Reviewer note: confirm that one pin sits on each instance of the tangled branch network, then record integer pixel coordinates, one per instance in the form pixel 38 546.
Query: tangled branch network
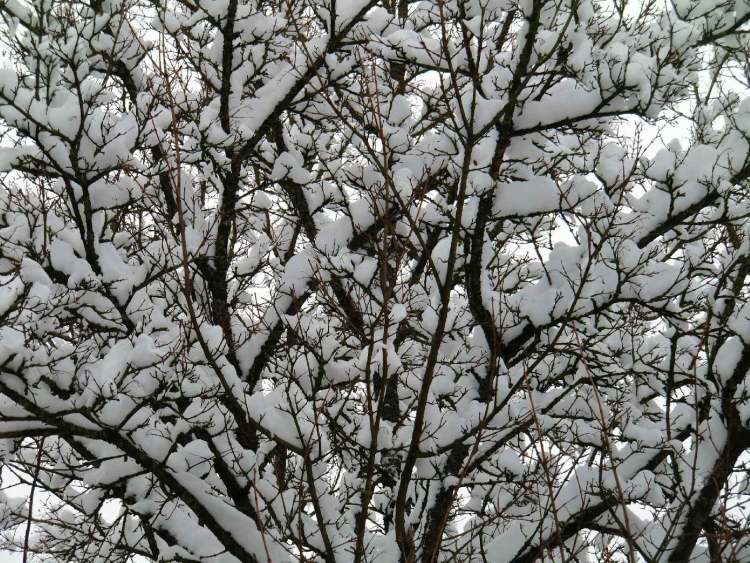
pixel 394 281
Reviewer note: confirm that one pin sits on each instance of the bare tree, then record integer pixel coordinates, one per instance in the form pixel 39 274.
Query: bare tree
pixel 388 281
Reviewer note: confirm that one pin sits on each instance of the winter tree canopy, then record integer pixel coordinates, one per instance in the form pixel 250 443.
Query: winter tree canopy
pixel 385 281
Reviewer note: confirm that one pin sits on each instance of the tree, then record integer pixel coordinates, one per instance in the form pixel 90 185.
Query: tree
pixel 386 281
